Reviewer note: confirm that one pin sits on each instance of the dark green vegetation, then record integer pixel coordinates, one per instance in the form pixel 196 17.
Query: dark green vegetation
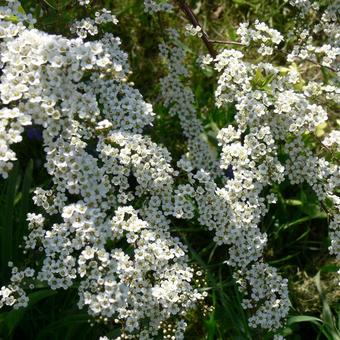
pixel 296 226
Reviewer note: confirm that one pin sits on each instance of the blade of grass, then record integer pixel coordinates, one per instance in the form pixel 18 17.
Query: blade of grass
pixel 12 319
pixel 66 322
pixel 7 219
pixel 24 202
pixel 329 328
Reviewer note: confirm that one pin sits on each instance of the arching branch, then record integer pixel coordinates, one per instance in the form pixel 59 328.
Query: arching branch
pixel 194 21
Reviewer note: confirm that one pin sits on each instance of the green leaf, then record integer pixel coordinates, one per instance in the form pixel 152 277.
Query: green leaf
pixel 11 319
pixel 303 318
pixel 24 202
pixel 7 200
pixel 210 325
pixel 329 268
pixel 301 220
pixel 68 321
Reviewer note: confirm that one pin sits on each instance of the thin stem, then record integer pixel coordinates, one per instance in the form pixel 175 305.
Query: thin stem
pixel 209 42
pixel 226 42
pixel 194 21
pixel 313 62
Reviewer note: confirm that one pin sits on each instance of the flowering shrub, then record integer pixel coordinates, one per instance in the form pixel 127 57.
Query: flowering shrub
pixel 113 219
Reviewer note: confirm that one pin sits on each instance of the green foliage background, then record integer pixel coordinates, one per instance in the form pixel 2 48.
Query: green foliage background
pixel 296 226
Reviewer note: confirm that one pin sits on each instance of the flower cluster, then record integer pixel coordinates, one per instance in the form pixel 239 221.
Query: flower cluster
pixel 12 120
pixel 235 210
pixel 89 26
pixel 302 166
pixel 332 139
pixel 13 294
pixel 320 43
pixel 100 165
pixel 269 293
pixel 84 2
pixel 304 5
pixel 261 35
pixel 273 108
pixel 334 227
pixel 152 6
pixel 192 30
pixel 181 102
